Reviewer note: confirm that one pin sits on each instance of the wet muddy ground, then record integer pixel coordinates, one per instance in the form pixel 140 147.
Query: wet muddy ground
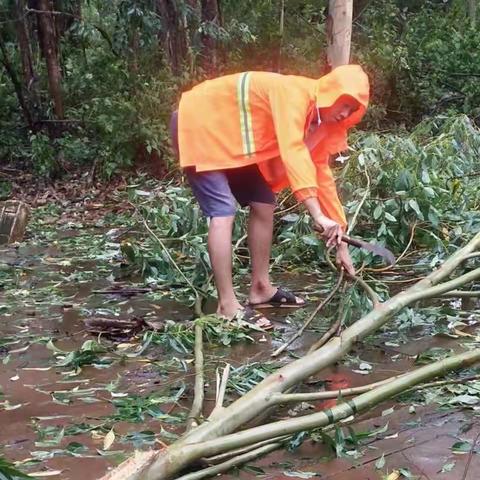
pixel 74 417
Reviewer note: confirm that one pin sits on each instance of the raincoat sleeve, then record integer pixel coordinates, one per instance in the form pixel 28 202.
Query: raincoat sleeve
pixel 289 119
pixel 328 196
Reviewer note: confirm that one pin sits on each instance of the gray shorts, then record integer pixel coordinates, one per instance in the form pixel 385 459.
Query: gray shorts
pixel 216 191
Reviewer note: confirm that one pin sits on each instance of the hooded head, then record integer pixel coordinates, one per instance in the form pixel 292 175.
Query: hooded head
pixel 344 89
pixel 342 95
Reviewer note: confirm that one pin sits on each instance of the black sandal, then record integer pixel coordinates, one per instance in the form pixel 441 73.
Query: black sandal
pixel 254 319
pixel 282 299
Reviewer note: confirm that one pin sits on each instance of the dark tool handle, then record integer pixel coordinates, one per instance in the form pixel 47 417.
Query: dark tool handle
pixel 352 241
pixel 345 238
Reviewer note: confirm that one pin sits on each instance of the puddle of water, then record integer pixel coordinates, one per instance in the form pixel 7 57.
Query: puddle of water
pixel 53 294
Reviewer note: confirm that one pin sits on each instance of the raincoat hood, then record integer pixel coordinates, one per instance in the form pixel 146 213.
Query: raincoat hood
pixel 344 80
pixel 331 138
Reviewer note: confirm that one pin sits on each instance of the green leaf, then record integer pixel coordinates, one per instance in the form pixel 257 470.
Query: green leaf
pixel 380 463
pixel 448 467
pixel 461 448
pixel 9 472
pixel 414 205
pixel 310 240
pixel 406 473
pixel 377 213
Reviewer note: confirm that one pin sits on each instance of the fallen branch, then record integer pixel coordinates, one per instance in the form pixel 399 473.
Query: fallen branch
pixel 196 291
pixel 166 463
pixel 348 392
pixel 462 294
pixel 233 462
pixel 233 453
pixel 197 405
pixel 189 452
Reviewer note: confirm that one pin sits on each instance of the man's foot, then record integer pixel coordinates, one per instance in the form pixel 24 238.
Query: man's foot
pixel 280 297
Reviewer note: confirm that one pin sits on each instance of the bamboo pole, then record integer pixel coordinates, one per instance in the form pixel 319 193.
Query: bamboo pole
pixel 166 463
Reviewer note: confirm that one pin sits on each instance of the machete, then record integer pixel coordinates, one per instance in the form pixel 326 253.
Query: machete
pixel 374 248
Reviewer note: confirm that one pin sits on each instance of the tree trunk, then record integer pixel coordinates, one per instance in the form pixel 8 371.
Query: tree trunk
pixel 277 53
pixel 472 12
pixel 49 45
pixel 173 37
pixel 24 44
pixel 209 54
pixel 25 48
pixel 339 32
pixel 17 85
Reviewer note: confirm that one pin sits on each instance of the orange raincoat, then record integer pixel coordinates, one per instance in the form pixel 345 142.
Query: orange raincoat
pixel 262 118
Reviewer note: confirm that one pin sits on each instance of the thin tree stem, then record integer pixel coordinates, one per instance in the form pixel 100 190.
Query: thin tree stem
pixel 348 392
pixel 221 389
pixel 335 326
pixel 462 294
pixel 368 290
pixel 238 451
pixel 233 462
pixel 322 304
pixel 197 405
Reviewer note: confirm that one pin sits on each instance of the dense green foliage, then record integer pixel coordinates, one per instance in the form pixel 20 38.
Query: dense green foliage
pixel 121 77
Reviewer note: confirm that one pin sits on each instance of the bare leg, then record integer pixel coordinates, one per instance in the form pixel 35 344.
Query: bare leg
pixel 260 232
pixel 220 251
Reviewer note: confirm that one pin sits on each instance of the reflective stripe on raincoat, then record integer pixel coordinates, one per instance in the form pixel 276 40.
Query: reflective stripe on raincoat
pixel 262 118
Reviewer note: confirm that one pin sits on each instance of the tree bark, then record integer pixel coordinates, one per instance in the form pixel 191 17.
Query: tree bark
pixel 30 79
pixel 49 45
pixel 73 11
pixel 339 32
pixel 23 38
pixel 17 85
pixel 173 37
pixel 209 54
